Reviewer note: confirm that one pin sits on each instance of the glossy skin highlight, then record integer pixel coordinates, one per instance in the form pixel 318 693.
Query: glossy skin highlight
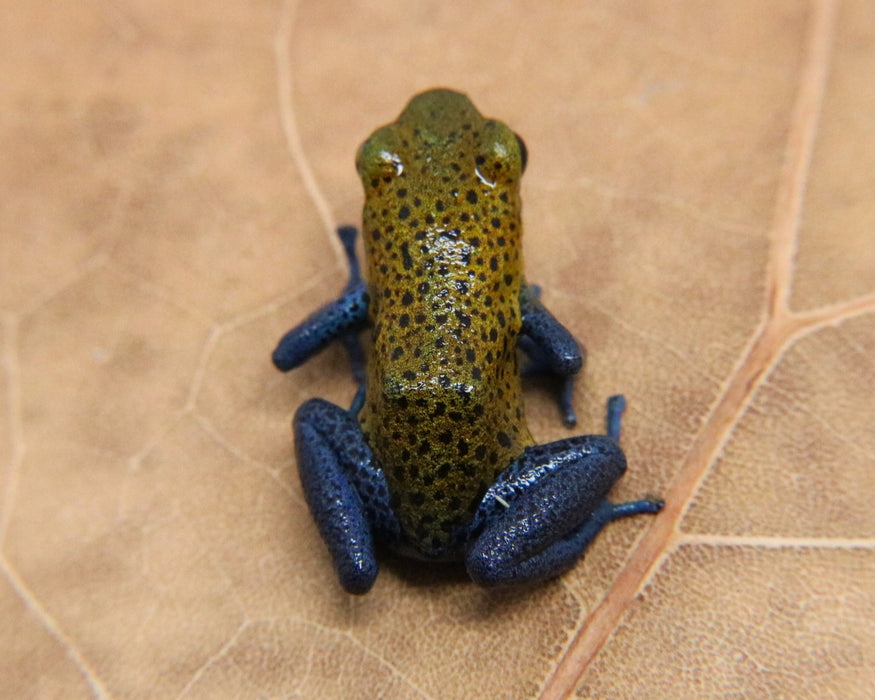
pixel 435 459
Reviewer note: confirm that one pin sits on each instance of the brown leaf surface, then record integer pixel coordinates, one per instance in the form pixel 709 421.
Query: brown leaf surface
pixel 700 211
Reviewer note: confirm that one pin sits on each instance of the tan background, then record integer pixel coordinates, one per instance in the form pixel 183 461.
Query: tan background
pixel 700 211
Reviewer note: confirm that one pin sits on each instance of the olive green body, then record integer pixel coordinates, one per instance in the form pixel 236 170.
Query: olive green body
pixel 442 232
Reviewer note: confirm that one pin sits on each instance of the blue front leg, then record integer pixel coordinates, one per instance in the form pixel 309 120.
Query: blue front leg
pixel 545 510
pixel 341 319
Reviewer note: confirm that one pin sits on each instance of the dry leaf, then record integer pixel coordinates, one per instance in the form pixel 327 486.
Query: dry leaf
pixel 699 210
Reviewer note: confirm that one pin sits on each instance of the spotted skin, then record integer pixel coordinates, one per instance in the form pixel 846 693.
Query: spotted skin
pixel 442 465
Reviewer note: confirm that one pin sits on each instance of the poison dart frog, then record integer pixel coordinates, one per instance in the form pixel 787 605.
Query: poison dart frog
pixel 434 459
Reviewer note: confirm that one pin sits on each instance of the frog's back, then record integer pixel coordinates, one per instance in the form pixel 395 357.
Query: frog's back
pixel 444 408
pixel 443 412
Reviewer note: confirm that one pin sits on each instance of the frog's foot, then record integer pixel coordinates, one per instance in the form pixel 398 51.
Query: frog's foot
pixel 346 492
pixel 544 512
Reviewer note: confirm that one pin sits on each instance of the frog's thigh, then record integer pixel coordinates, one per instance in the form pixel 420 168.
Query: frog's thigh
pixel 347 494
pixel 556 507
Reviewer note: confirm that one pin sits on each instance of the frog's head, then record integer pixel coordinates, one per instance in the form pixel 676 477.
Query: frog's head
pixel 441 134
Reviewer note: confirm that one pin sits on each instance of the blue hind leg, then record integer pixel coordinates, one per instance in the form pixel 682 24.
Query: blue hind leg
pixel 539 518
pixel 345 490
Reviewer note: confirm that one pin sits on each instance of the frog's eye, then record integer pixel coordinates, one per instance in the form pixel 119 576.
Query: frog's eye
pixel 378 160
pixel 524 152
pixel 502 156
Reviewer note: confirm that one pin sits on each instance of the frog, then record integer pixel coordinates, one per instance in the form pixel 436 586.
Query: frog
pixel 434 460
